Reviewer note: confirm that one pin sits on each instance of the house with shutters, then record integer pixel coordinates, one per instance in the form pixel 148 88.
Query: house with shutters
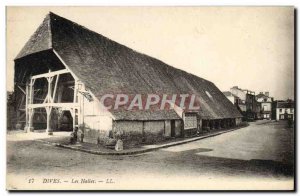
pixel 285 110
pixel 265 102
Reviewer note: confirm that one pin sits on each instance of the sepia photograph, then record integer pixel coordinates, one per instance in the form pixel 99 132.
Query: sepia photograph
pixel 150 98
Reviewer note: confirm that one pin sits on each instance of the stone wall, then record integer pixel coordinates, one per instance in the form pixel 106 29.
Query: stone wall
pixel 146 132
pixel 154 131
pixel 132 131
pixel 93 136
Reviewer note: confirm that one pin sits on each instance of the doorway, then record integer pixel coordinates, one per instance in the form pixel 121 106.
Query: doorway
pixel 65 121
pixel 172 128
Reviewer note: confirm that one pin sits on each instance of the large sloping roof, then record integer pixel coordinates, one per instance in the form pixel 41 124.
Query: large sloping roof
pixel 106 66
pixel 145 115
pixel 39 41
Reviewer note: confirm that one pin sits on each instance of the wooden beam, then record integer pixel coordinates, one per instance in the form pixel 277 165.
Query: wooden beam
pixel 63 62
pixel 21 102
pixel 31 113
pixel 26 107
pixel 49 93
pixel 48 110
pixel 57 105
pixel 55 88
pixel 75 92
pixel 51 74
pixel 21 89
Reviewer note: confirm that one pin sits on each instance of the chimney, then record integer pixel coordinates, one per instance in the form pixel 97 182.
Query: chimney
pixel 267 93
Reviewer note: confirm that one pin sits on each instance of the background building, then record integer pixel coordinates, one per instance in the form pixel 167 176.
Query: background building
pixel 265 102
pixel 246 102
pixel 285 110
pixel 235 100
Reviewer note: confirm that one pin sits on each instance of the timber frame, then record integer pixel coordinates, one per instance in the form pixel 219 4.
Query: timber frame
pixel 49 102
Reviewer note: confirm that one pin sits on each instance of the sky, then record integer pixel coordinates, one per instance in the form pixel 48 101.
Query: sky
pixel 249 47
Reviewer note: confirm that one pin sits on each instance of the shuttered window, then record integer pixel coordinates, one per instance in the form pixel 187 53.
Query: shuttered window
pixel 190 121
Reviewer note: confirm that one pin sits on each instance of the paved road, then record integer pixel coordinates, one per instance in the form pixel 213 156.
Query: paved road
pixel 263 150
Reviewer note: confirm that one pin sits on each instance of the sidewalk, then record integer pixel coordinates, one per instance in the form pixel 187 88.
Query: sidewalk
pixel 23 136
pixel 100 150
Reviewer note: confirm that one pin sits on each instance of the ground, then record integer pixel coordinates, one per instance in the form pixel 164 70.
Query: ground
pixel 258 156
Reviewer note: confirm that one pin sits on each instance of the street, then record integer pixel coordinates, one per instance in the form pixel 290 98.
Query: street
pixel 262 151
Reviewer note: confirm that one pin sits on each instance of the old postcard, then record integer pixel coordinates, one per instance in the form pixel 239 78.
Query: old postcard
pixel 150 98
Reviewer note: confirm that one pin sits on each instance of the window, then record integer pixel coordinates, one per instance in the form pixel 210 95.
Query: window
pixel 265 108
pixel 280 110
pixel 190 121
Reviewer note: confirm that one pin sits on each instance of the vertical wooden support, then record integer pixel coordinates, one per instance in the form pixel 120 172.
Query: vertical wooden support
pixel 80 102
pixel 49 93
pixel 30 118
pixel 29 100
pixel 74 101
pixel 26 107
pixel 50 101
pixel 200 125
pixel 49 108
pixel 48 129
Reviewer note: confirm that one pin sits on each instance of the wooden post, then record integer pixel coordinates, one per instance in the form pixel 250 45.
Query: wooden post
pixel 48 129
pixel 29 100
pixel 26 108
pixel 30 118
pixel 49 108
pixel 55 88
pixel 74 101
